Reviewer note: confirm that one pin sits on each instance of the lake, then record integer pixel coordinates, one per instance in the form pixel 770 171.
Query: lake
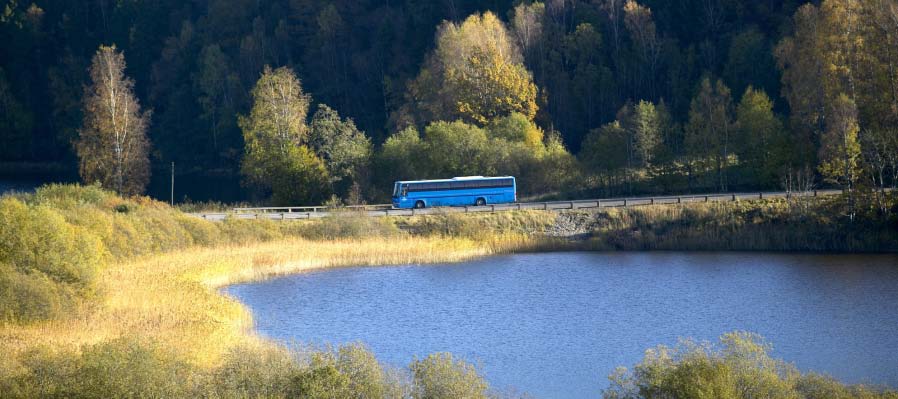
pixel 556 324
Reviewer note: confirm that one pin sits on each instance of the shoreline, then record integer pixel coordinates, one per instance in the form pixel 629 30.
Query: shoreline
pixel 175 299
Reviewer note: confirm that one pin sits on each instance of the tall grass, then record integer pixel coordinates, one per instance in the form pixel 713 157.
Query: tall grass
pixel 822 225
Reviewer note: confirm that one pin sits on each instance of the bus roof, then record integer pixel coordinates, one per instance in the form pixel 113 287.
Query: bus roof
pixel 456 179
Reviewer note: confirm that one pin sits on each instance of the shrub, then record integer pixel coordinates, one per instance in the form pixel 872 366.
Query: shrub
pixel 251 372
pixel 239 231
pixel 202 232
pixel 482 225
pixel 740 367
pixel 346 226
pixel 46 262
pixel 440 376
pixel 366 376
pixel 32 297
pixel 66 196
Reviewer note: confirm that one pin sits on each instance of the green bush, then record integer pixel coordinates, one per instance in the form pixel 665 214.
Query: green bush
pixel 55 241
pixel 32 297
pixel 440 376
pixel 253 373
pixel 46 262
pixel 67 196
pixel 120 368
pixel 240 231
pixel 739 367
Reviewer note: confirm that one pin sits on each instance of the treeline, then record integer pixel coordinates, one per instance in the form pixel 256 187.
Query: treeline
pixel 650 96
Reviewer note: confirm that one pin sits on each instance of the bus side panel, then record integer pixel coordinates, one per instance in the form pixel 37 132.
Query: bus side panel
pixel 459 197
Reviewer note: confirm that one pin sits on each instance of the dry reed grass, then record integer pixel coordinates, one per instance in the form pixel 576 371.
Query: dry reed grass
pixel 173 299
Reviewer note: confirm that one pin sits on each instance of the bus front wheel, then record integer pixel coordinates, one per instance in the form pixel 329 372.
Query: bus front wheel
pixel 419 205
pixel 480 202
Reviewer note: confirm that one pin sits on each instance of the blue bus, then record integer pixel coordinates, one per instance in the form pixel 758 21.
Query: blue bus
pixel 459 191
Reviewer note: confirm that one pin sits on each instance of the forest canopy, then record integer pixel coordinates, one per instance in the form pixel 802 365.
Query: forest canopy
pixel 618 96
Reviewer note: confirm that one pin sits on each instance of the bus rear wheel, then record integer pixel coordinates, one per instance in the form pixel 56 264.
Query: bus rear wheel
pixel 419 205
pixel 480 202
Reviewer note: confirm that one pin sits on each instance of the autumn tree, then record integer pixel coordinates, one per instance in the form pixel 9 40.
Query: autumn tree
pixel 275 133
pixel 839 148
pixel 112 146
pixel 710 129
pixel 516 128
pixel 345 150
pixel 527 27
pixel 476 73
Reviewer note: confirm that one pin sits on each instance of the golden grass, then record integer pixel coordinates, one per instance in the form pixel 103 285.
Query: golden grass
pixel 173 299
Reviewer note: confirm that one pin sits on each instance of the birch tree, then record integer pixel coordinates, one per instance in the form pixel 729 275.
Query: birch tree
pixel 840 150
pixel 112 146
pixel 275 133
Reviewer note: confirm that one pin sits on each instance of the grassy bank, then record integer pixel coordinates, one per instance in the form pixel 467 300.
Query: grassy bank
pixel 809 225
pixel 108 297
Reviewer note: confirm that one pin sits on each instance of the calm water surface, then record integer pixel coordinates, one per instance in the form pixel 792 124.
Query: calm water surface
pixel 555 325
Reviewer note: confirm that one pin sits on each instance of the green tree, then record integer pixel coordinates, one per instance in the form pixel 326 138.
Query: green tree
pixel 440 376
pixel 275 134
pixel 646 125
pixel 750 62
pixel 761 140
pixel 710 130
pixel 516 128
pixel 604 152
pixel 112 145
pixel 476 73
pixel 457 149
pixel 401 157
pixel 15 122
pixel 345 150
pixel 218 86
